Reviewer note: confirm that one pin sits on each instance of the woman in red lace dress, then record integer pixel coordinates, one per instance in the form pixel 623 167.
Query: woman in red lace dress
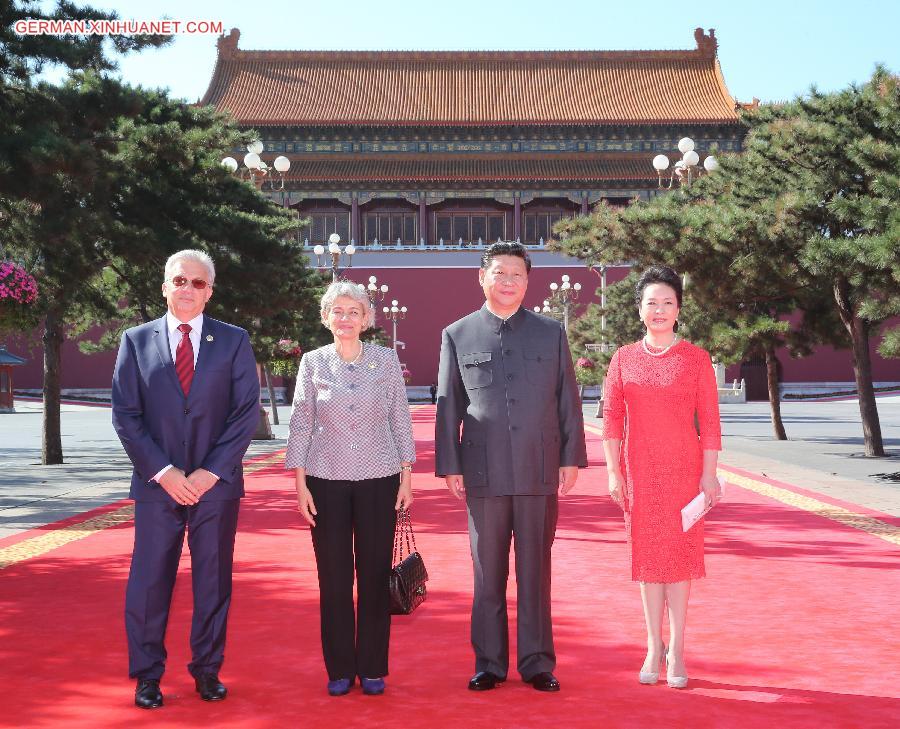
pixel 657 391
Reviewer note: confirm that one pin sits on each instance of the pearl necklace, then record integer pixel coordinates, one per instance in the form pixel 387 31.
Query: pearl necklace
pixel 660 353
pixel 356 359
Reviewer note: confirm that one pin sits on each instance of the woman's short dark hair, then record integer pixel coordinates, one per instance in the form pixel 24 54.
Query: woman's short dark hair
pixel 505 249
pixel 658 275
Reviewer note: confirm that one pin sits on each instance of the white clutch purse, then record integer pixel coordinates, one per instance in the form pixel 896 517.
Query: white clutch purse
pixel 698 507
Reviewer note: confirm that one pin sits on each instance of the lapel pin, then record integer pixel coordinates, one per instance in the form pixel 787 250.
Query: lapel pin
pixel 372 365
pixel 209 337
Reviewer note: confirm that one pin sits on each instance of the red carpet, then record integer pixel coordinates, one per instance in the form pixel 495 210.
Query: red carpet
pixel 794 627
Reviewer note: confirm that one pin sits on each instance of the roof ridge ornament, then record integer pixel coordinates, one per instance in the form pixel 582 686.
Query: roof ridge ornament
pixel 227 43
pixel 706 44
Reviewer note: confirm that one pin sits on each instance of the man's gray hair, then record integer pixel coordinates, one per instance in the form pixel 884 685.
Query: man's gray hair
pixel 351 291
pixel 191 254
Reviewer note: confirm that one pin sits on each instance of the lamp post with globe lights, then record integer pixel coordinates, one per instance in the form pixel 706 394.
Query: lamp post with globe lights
pixel 545 309
pixel 260 175
pixel 395 312
pixel 685 169
pixel 564 294
pixel 257 171
pixel 335 250
pixel 375 292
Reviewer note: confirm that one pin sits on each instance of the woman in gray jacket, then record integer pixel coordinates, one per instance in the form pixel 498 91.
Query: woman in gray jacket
pixel 352 449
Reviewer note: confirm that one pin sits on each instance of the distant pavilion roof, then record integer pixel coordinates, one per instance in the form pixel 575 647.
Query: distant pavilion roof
pixel 470 88
pixel 8 358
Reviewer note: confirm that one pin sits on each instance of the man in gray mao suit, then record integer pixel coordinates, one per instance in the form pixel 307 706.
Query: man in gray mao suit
pixel 506 375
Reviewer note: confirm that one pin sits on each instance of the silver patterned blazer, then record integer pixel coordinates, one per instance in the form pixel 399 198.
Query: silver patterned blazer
pixel 350 421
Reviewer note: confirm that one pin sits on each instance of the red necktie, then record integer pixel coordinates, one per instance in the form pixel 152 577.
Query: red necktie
pixel 184 358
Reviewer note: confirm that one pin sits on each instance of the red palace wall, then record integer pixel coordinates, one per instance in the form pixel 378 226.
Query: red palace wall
pixel 438 297
pixel 435 298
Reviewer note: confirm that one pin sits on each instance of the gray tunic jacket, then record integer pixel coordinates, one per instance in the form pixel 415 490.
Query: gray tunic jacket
pixel 511 385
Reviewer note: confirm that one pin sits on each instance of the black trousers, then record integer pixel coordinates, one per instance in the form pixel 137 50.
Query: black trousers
pixel 159 528
pixel 493 522
pixel 354 526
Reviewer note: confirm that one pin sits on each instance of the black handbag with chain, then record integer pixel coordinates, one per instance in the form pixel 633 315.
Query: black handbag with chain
pixel 408 576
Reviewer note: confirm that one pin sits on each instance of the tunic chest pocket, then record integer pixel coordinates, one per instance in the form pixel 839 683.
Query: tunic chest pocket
pixel 539 365
pixel 476 369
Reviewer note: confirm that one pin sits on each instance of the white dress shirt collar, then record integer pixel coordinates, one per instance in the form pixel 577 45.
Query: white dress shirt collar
pixel 196 325
pixel 172 324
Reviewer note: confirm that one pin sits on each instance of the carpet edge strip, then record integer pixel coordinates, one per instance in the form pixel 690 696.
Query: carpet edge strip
pixel 61 536
pixel 868 524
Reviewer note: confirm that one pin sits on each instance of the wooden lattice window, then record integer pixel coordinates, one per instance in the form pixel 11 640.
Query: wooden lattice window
pixel 322 225
pixel 539 226
pixel 388 227
pixel 470 227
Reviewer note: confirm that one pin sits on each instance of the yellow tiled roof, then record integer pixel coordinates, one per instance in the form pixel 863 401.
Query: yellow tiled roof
pixel 459 88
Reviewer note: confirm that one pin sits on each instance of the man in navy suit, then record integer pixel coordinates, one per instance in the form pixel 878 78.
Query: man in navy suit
pixel 185 406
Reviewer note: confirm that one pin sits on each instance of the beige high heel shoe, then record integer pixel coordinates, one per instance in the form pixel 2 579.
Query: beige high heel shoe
pixel 675 682
pixel 648 678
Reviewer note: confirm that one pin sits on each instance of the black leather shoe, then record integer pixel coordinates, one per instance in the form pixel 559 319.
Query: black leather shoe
pixel 147 694
pixel 210 688
pixel 484 681
pixel 544 681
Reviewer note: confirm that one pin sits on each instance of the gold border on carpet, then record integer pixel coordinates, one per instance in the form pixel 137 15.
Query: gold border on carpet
pixel 867 524
pixel 59 537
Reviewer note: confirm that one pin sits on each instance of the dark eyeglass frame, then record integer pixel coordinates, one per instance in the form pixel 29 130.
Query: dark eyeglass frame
pixel 180 281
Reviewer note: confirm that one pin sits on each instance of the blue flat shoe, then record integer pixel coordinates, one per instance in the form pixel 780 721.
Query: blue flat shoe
pixel 372 686
pixel 339 686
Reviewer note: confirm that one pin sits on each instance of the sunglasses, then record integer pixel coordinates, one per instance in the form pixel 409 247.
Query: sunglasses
pixel 197 283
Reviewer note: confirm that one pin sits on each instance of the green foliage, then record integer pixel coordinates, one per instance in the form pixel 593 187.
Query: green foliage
pixel 890 345
pixel 51 183
pixel 100 182
pixel 772 232
pixel 622 326
pixel 838 162
pixel 24 56
pixel 159 187
pixel 806 220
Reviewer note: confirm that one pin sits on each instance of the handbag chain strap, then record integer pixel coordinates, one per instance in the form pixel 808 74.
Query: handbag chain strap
pixel 403 533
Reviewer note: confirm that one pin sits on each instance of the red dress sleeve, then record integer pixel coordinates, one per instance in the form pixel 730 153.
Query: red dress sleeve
pixel 614 401
pixel 707 404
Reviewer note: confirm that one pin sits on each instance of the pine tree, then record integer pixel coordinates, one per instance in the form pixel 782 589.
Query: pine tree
pixel 43 153
pixel 837 158
pixel 805 220
pixel 100 182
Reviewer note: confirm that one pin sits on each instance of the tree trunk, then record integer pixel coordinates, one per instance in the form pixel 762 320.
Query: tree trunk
pixel 862 370
pixel 51 436
pixel 858 330
pixel 272 401
pixel 774 392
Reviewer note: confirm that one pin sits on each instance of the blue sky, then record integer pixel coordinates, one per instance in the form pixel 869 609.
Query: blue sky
pixel 772 50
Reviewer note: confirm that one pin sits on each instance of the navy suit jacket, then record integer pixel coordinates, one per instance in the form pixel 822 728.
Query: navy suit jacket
pixel 210 428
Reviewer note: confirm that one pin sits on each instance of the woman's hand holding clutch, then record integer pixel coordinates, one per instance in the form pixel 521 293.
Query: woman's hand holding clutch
pixel 711 489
